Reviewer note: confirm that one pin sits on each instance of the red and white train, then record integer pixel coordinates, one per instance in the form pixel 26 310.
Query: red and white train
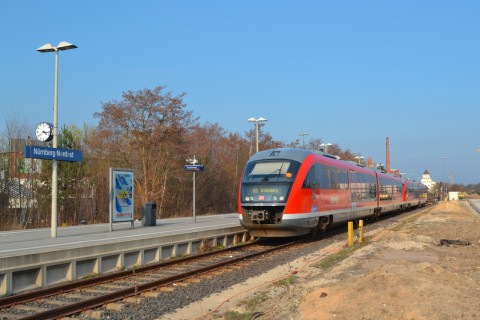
pixel 290 192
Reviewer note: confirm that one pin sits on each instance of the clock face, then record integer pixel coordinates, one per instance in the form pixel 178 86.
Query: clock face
pixel 44 131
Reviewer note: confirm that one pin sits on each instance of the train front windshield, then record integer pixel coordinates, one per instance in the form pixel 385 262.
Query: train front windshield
pixel 268 181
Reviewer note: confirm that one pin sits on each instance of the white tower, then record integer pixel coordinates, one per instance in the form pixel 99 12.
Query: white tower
pixel 427 180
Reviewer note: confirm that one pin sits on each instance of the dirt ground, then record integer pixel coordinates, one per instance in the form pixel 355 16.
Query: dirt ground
pixel 402 272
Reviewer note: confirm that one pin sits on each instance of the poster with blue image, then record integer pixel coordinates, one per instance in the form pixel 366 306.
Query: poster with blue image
pixel 122 190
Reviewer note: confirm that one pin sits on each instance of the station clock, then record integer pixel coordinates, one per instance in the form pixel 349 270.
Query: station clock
pixel 44 131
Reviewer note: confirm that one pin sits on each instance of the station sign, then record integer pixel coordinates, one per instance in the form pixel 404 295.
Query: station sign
pixel 193 167
pixel 47 153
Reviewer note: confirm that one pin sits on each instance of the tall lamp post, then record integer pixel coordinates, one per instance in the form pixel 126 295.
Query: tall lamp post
pixel 257 120
pixel 303 134
pixel 49 48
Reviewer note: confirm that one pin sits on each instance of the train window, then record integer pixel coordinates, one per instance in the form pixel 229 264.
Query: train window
pixel 332 176
pixel 270 168
pixel 399 186
pixel 360 186
pixel 271 171
pixel 326 177
pixel 389 188
pixel 324 180
pixel 342 178
pixel 309 181
pixel 319 176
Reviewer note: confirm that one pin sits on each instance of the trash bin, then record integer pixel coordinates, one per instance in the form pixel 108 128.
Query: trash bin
pixel 149 214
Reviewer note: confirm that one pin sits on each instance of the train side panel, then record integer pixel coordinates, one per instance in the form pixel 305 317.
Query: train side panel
pixel 290 192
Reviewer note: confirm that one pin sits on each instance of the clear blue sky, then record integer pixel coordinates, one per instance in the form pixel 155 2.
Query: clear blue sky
pixel 349 72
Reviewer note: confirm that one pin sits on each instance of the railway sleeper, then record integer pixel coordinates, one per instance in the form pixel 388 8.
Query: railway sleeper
pixel 115 306
pixel 54 302
pixel 95 314
pixel 29 308
pixel 5 316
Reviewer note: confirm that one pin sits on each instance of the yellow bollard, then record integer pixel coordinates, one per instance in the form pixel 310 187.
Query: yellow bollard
pixel 350 233
pixel 360 231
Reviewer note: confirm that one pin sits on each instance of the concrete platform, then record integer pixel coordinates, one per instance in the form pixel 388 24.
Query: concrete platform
pixel 32 259
pixel 475 203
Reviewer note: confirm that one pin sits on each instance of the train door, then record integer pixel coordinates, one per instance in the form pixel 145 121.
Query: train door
pixel 353 193
pixel 405 191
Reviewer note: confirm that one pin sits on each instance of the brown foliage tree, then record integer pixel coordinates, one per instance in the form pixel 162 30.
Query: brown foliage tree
pixel 223 155
pixel 145 132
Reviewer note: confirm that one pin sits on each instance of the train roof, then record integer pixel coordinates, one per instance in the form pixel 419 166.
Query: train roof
pixel 300 155
pixel 283 153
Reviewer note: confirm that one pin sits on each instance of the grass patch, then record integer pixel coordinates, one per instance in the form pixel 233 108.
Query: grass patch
pixel 249 305
pixel 256 300
pixel 90 276
pixel 235 315
pixel 407 222
pixel 339 256
pixel 209 247
pixel 286 281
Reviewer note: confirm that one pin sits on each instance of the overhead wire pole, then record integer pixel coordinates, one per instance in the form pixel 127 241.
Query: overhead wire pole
pixel 443 176
pixel 303 134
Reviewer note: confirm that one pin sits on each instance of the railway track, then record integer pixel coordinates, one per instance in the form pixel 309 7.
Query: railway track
pixel 73 298
pixel 160 281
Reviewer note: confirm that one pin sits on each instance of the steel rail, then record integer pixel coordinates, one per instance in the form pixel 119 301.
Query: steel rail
pixel 77 307
pixel 47 292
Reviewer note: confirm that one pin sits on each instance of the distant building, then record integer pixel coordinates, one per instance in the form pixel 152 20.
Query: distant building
pixel 427 180
pixel 453 195
pixel 16 173
pixel 370 163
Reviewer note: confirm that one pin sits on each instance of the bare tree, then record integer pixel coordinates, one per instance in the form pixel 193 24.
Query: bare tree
pixel 16 185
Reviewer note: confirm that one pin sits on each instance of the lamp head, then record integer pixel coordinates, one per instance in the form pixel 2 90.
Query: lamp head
pixel 60 47
pixel 66 46
pixel 256 120
pixel 46 48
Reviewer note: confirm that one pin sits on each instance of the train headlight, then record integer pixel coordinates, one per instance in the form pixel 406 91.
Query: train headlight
pixel 282 198
pixel 247 198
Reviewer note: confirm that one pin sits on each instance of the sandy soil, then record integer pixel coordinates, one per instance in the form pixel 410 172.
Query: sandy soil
pixel 402 272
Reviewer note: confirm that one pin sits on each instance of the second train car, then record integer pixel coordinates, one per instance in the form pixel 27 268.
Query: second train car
pixel 291 192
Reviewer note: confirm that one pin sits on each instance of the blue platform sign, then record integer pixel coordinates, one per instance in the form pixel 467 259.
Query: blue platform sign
pixel 193 167
pixel 47 153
